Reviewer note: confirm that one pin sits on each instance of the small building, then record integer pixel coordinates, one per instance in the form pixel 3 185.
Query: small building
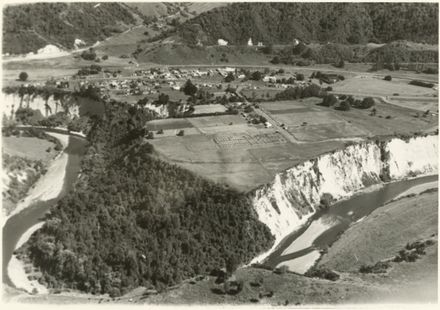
pixel 222 42
pixel 329 78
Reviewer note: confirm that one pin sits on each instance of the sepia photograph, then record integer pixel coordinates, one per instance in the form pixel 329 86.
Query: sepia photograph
pixel 256 154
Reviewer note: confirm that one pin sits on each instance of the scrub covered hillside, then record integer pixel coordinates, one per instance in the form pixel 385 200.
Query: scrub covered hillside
pixel 281 23
pixel 135 220
pixel 29 27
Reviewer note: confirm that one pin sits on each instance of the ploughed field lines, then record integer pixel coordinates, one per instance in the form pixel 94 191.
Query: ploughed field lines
pixel 246 140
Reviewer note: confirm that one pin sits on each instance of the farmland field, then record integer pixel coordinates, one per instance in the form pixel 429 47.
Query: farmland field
pixel 241 155
pixel 379 87
pixel 166 124
pixel 307 121
pixel 28 147
pixel 209 108
pixel 226 148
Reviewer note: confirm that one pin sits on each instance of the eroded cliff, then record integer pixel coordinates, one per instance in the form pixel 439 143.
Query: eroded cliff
pixel 296 194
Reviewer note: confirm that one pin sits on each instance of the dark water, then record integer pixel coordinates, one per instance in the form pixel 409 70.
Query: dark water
pixel 21 222
pixel 341 216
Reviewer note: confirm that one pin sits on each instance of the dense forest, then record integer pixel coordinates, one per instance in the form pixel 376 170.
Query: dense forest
pixel 136 220
pixel 281 23
pixel 29 27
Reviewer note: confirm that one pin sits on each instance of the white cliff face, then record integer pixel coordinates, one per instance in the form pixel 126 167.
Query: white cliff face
pixel 416 157
pixel 11 102
pixel 161 110
pixel 294 195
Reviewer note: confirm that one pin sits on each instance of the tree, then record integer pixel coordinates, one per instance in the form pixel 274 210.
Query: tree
pixel 163 99
pixel 89 54
pixel 275 60
pixel 300 77
pixel 189 88
pixel 256 76
pixel 344 106
pixel 367 103
pixel 387 78
pixel 229 78
pixel 268 49
pixel 340 63
pixel 231 264
pixel 23 76
pixel 329 100
pixel 142 102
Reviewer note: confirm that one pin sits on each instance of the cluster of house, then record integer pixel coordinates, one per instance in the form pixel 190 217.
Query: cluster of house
pixel 173 74
pixel 64 83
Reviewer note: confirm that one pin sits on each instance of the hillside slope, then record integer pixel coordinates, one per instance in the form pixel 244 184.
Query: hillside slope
pixel 318 22
pixel 29 27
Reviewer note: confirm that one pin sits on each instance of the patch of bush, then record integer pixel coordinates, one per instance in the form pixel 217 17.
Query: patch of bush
pixel 89 54
pixel 366 103
pixel 344 106
pixel 388 78
pixel 23 76
pixel 421 83
pixel 329 100
pixel 379 267
pixel 412 251
pixel 292 93
pixel 323 273
pixel 430 71
pixel 281 270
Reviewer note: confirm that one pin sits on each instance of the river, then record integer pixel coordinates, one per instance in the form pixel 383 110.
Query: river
pixel 325 227
pixel 18 224
pixel 320 231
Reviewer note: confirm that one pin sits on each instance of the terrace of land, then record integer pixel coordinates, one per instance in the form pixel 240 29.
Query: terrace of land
pixel 227 148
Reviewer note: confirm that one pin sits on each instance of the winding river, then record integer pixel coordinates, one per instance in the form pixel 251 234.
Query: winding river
pixel 325 226
pixel 18 224
pixel 319 232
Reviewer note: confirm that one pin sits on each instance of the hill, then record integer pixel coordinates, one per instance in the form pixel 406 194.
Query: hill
pixel 29 27
pixel 281 23
pixel 404 52
pixel 181 54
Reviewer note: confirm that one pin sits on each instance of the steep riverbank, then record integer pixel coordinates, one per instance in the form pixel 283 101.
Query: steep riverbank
pixel 17 268
pixel 19 227
pixel 298 193
pixel 49 185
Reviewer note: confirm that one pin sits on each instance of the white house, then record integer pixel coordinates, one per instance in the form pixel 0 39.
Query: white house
pixel 250 42
pixel 271 79
pixel 222 42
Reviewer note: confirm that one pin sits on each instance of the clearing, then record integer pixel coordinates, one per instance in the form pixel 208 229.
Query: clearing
pixel 28 147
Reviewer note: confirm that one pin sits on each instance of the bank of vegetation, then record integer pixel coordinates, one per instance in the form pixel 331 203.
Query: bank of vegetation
pixel 280 23
pixel 135 220
pixel 29 27
pixel 21 173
